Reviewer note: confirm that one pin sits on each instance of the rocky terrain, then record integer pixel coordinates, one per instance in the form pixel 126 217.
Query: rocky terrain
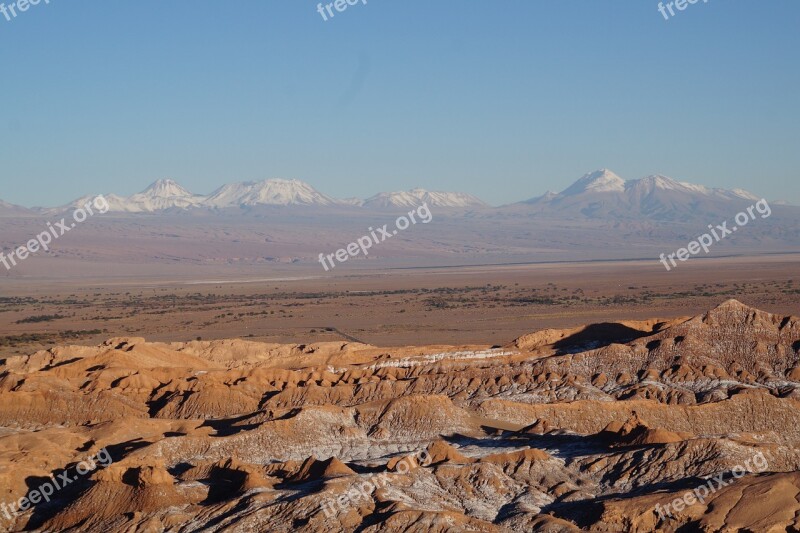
pixel 597 428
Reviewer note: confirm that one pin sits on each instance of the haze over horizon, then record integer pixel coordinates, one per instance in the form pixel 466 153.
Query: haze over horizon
pixel 112 97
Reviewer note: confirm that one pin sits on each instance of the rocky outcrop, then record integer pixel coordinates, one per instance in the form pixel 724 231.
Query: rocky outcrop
pixel 559 430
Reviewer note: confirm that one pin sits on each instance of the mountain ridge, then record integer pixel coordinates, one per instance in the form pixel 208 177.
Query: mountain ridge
pixel 604 195
pixel 165 194
pixel 595 194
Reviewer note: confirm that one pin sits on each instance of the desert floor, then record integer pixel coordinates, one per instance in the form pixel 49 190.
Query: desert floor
pixel 484 305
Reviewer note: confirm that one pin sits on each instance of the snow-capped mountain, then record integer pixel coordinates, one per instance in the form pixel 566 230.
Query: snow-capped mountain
pixel 116 204
pixel 657 182
pixel 417 197
pixel 598 181
pixel 167 194
pixel 599 194
pixel 159 196
pixel 267 192
pixel 603 194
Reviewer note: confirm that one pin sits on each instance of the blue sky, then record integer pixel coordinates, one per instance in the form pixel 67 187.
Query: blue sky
pixel 502 99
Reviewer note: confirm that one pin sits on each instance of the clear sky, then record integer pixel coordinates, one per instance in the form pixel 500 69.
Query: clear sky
pixel 503 99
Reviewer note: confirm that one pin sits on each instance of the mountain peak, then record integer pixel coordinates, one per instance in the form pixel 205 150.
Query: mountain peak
pixel 276 191
pixel 603 194
pixel 420 196
pixel 166 188
pixel 602 180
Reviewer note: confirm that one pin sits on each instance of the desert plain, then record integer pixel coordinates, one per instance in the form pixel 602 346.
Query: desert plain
pixel 486 304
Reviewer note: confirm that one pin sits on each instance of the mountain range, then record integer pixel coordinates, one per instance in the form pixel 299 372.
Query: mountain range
pixel 166 194
pixel 599 194
pixel 245 226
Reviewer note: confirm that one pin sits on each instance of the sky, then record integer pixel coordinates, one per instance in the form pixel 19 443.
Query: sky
pixel 503 99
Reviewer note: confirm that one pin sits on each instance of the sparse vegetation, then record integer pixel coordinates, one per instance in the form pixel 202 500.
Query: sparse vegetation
pixel 39 318
pixel 24 339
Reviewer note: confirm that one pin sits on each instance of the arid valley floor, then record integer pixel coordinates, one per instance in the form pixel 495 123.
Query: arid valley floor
pixel 396 307
pixel 550 397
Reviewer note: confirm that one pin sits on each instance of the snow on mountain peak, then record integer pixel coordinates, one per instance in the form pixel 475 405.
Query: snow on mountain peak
pixel 602 180
pixel 661 181
pixel 167 194
pixel 267 192
pixel 602 192
pixel 658 181
pixel 611 189
pixel 746 195
pixel 166 188
pixel 161 194
pixel 418 196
